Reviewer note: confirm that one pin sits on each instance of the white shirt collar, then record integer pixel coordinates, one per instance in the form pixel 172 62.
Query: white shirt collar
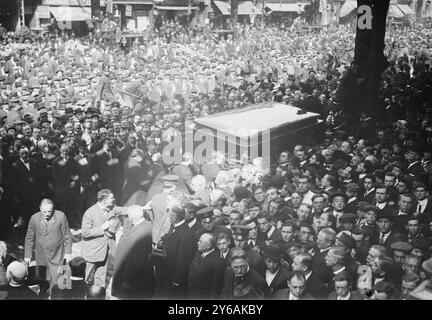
pixel 270 232
pixel 339 271
pixel 205 254
pixel 179 224
pixel 192 222
pixel 348 296
pixel 307 276
pixel 291 297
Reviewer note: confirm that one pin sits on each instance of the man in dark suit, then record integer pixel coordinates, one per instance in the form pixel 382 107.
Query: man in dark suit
pixel 369 189
pixel 296 289
pixel 267 231
pixel 206 270
pixel 134 176
pixel 423 207
pixel 242 282
pixel 415 168
pixel 325 240
pixel 86 169
pixel 26 184
pixel 108 168
pixel 276 274
pixel 223 245
pixel 191 219
pixel 16 288
pixel 335 260
pixel 180 245
pixel 133 276
pixel 342 285
pixel 206 217
pixel 386 234
pixel 66 184
pixel 303 262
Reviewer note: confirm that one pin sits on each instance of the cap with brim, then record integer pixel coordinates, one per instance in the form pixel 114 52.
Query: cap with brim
pixel 205 214
pixel 240 232
pixel 373 208
pixel 169 180
pixel 338 194
pixel 272 252
pixel 386 214
pixel 402 246
pixel 362 204
pixel 348 218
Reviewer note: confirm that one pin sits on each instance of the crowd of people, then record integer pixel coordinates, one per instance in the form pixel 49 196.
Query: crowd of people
pixel 83 125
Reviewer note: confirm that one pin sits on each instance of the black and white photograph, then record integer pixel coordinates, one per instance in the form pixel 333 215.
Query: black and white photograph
pixel 228 151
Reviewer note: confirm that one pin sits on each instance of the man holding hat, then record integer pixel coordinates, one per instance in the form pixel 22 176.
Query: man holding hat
pixel 276 274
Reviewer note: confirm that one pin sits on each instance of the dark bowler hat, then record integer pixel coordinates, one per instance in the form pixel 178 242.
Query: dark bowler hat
pixel 205 214
pixel 347 240
pixel 272 252
pixel 402 246
pixel 385 214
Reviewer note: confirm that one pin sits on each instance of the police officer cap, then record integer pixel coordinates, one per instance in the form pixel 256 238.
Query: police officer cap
pixel 169 179
pixel 402 246
pixel 205 214
pixel 240 232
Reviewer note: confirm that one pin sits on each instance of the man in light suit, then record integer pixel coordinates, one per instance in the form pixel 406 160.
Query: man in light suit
pixel 99 226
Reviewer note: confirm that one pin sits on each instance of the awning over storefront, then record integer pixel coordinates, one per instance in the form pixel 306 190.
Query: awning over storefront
pixel 176 8
pixel 146 2
pixel 247 8
pixel 406 9
pixel 42 12
pixel 348 7
pixel 395 12
pixel 244 8
pixel 71 13
pixel 286 7
pixel 224 7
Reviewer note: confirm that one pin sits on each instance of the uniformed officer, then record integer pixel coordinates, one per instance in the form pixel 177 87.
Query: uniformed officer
pixel 160 204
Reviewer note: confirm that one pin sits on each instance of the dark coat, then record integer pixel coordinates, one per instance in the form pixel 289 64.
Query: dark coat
pixel 19 293
pixel 133 273
pixel 283 294
pixel 316 287
pixel 355 295
pixel 259 288
pixel 134 175
pixel 180 246
pixel 205 276
pixel 280 280
pixel 320 267
pixel 78 291
pixel 109 171
pixel 26 186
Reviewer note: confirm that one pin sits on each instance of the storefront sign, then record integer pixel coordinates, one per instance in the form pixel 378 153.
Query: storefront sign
pixel 80 3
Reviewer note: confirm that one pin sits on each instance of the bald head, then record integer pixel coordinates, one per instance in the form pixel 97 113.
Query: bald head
pixel 135 213
pixel 16 272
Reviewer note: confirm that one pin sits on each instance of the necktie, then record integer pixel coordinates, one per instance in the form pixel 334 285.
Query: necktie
pixel 382 238
pixel 419 208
